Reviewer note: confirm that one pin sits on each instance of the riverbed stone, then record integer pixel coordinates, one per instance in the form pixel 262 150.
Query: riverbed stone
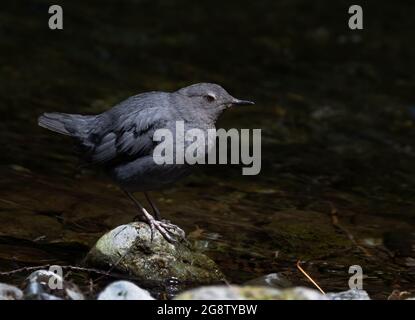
pixel 250 293
pixel 130 249
pixel 124 290
pixel 352 294
pixel 48 285
pixel 9 292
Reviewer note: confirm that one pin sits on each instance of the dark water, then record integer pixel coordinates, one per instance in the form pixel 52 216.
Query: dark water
pixel 336 108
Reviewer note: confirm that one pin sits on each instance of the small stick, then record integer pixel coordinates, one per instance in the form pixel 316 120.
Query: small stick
pixel 309 278
pixel 336 223
pixel 25 269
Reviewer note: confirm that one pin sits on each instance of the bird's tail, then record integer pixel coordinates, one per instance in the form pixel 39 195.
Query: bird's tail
pixel 74 125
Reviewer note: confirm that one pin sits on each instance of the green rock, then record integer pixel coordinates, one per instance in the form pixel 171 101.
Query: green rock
pixel 156 260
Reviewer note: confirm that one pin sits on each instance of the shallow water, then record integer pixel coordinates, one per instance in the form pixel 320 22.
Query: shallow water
pixel 336 109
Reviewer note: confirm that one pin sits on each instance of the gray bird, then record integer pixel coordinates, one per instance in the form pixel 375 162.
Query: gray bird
pixel 120 140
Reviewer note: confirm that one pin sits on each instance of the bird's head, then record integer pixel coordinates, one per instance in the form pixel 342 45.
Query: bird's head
pixel 211 98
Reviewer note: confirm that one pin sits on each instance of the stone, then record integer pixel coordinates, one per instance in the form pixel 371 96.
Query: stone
pixel 352 294
pixel 155 260
pixel 124 290
pixel 48 285
pixel 9 292
pixel 301 293
pixel 249 293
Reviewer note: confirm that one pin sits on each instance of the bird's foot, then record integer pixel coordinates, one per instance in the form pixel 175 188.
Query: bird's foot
pixel 169 231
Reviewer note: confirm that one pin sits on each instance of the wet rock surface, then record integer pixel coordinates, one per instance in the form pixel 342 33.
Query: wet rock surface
pixel 130 249
pixel 124 290
pixel 9 292
pixel 352 294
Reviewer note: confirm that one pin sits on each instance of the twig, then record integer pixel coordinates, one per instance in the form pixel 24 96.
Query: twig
pixel 309 278
pixel 336 223
pixel 26 269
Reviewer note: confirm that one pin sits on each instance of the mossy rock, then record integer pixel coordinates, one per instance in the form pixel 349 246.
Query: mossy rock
pixel 154 260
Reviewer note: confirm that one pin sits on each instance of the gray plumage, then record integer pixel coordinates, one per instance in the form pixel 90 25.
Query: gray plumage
pixel 121 139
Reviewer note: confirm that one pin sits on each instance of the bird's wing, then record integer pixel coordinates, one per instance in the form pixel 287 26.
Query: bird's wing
pixel 121 135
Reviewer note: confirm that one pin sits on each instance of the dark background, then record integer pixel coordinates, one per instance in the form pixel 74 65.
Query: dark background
pixel 336 108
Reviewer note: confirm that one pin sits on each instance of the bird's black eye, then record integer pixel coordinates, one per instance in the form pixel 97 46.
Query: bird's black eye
pixel 210 97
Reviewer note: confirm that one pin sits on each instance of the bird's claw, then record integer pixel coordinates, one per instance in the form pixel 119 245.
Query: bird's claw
pixel 169 231
pixel 180 234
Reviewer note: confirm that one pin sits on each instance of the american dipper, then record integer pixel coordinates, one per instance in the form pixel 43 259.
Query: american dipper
pixel 121 139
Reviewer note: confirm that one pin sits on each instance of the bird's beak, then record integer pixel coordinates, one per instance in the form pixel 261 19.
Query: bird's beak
pixel 242 102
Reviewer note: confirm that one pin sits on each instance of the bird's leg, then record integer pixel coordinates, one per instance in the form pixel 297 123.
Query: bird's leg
pixel 166 229
pixel 153 206
pixel 165 222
